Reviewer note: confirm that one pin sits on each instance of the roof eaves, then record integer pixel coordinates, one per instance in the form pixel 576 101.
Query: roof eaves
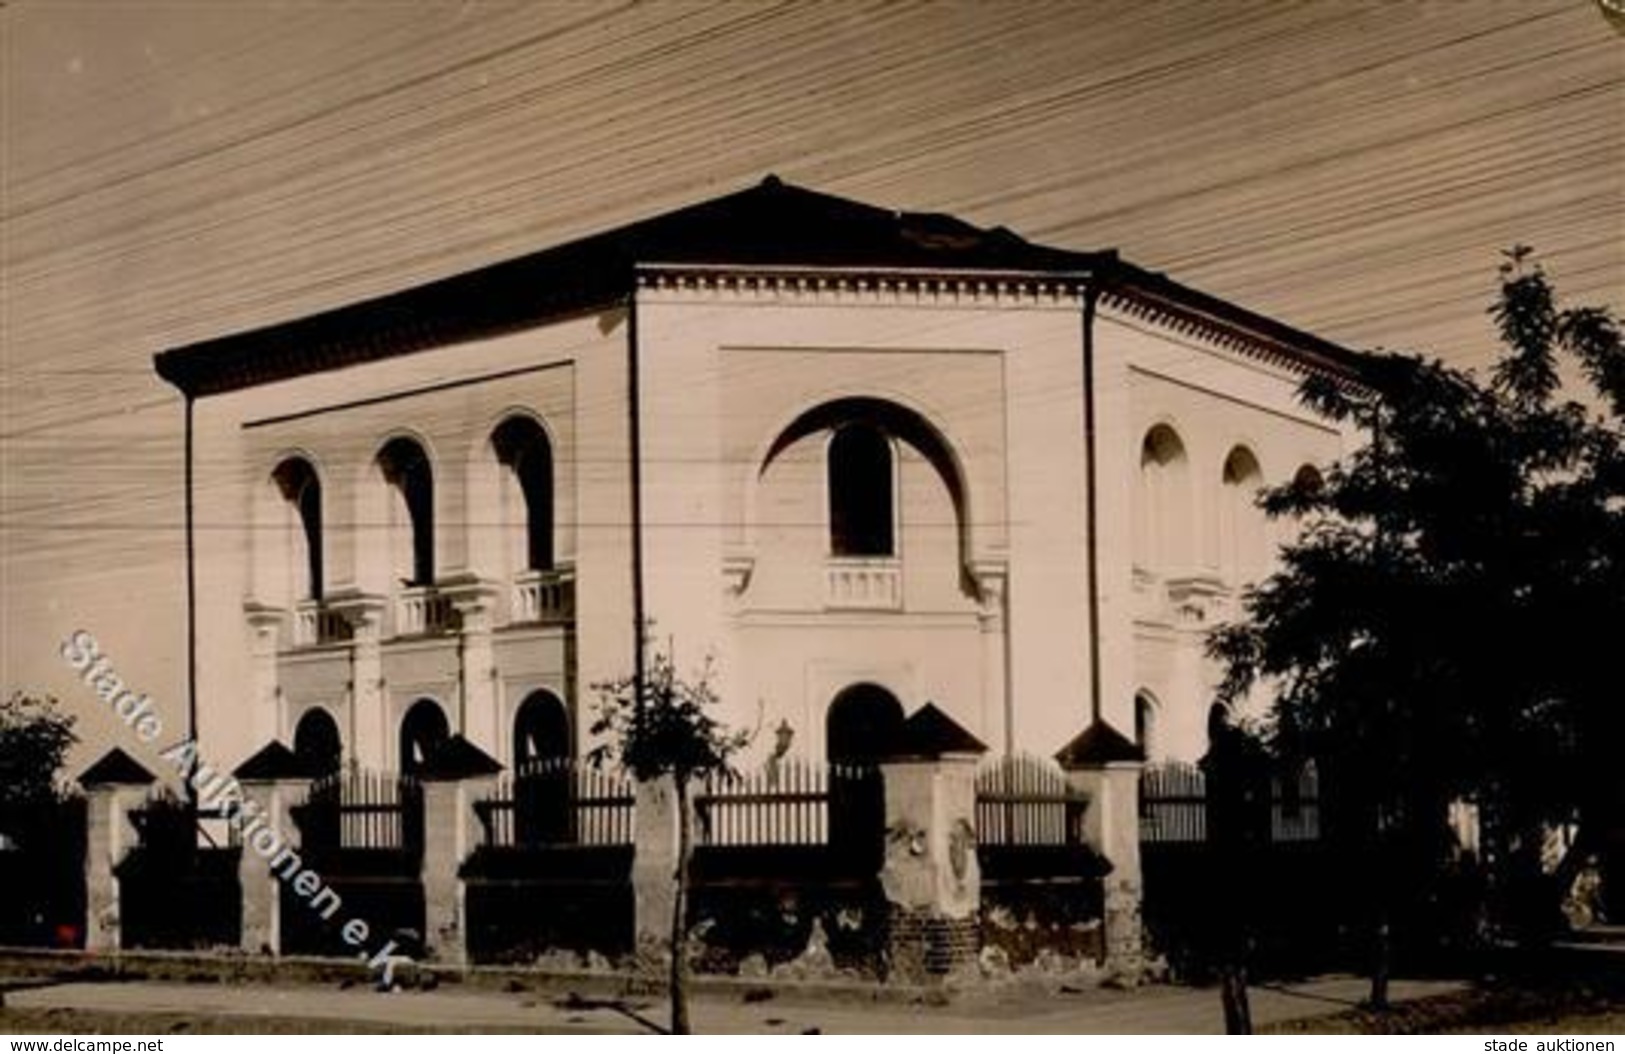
pixel 1156 295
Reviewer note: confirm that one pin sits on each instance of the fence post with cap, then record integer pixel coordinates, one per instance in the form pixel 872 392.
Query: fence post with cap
pixel 1105 765
pixel 114 785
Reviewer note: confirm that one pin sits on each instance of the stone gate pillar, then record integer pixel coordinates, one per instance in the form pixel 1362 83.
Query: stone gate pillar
pixel 1105 765
pixel 114 785
pixel 456 777
pixel 931 876
pixel 274 779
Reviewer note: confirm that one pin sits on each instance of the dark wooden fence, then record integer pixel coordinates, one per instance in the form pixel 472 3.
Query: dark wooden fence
pixel 787 804
pixel 1295 805
pixel 1173 804
pixel 363 832
pixel 178 888
pixel 1040 881
pixel 783 846
pixel 1295 886
pixel 1026 801
pixel 1174 808
pixel 362 810
pixel 554 865
pixel 557 801
pixel 42 871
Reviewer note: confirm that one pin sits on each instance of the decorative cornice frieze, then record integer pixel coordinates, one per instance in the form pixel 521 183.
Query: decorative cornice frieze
pixel 856 286
pixel 843 286
pixel 1217 333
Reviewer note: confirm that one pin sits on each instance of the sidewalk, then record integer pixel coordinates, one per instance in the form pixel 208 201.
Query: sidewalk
pixel 1156 1009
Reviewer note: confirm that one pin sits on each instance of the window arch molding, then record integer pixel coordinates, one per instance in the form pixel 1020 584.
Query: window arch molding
pixel 1243 532
pixel 903 424
pixel 1165 538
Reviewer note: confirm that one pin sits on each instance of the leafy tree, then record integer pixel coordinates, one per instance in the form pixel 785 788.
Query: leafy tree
pixel 660 726
pixel 1448 624
pixel 34 740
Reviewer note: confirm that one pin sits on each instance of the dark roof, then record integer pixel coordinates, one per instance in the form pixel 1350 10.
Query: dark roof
pixel 274 761
pixel 456 759
pixel 930 733
pixel 772 224
pixel 116 767
pixel 1099 744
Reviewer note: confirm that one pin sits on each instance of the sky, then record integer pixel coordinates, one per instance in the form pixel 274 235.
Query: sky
pixel 175 171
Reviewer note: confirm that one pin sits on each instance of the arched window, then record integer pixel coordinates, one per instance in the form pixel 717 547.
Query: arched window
pixel 316 742
pixel 1308 479
pixel 861 518
pixel 542 775
pixel 1162 509
pixel 423 730
pixel 1145 723
pixel 1241 524
pixel 527 493
pixel 301 489
pixel 541 730
pixel 406 469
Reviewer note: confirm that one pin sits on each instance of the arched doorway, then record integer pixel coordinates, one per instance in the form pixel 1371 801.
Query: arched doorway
pixel 862 725
pixel 423 730
pixel 542 755
pixel 316 742
pixel 860 729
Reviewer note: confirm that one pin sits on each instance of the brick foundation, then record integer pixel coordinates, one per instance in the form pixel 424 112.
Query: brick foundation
pixel 926 947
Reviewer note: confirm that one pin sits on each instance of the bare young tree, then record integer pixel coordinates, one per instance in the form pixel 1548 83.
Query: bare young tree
pixel 660 726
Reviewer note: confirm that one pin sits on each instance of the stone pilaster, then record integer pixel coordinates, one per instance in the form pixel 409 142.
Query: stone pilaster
pixel 992 580
pixel 369 735
pixel 265 635
pixel 475 601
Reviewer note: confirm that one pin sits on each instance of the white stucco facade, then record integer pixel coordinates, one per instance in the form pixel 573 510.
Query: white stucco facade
pixel 687 436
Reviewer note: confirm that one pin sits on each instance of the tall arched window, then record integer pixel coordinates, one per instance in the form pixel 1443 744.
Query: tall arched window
pixel 1162 509
pixel 861 500
pixel 1242 534
pixel 406 469
pixel 301 489
pixel 1145 723
pixel 527 493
